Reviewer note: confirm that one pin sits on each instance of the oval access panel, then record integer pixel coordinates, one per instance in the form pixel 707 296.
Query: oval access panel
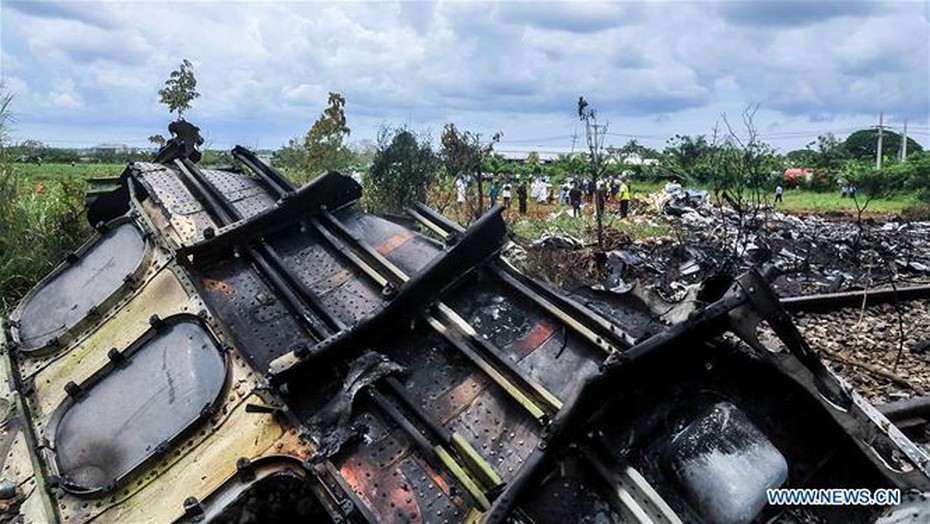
pixel 68 297
pixel 121 420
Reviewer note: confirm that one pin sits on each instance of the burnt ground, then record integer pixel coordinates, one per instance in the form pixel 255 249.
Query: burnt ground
pixel 883 351
pixel 812 254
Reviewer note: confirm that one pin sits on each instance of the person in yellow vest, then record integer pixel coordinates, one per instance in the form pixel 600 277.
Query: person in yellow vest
pixel 624 198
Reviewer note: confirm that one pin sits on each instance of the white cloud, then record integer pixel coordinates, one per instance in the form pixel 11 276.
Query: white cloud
pixel 652 68
pixel 65 100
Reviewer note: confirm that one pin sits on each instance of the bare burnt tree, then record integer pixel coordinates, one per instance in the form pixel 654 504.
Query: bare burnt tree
pixel 463 154
pixel 594 134
pixel 743 165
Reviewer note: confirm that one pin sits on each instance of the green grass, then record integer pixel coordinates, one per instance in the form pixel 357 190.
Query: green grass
pixel 41 218
pixel 45 172
pixel 802 201
pixel 808 201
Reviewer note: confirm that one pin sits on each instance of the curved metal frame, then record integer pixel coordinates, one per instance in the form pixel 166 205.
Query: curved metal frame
pixel 70 333
pixel 51 430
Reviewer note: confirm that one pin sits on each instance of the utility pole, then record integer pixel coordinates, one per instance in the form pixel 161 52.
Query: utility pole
pixel 904 142
pixel 878 149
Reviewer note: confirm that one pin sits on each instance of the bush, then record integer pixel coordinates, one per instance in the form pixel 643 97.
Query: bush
pixel 403 168
pixel 821 181
pixel 39 223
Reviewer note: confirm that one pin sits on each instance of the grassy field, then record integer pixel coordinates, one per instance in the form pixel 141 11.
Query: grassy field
pixel 801 201
pixel 41 219
pixel 45 172
pixel 811 202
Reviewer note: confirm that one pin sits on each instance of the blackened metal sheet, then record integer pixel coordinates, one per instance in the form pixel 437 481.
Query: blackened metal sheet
pixel 455 392
pixel 570 495
pixel 352 300
pixel 560 365
pixel 538 343
pixel 342 289
pixel 500 430
pixel 252 314
pixel 404 247
pixel 626 311
pixel 394 481
pixel 167 190
pixel 443 381
pixel 245 193
pixel 67 298
pixel 122 420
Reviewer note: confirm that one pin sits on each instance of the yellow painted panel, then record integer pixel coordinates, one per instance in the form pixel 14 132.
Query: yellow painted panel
pixel 163 295
pixel 202 470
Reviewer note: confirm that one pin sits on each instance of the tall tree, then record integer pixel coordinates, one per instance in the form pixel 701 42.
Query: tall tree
pixel 828 153
pixel 463 154
pixel 863 143
pixel 325 145
pixel 292 157
pixel 180 89
pixel 684 154
pixel 403 167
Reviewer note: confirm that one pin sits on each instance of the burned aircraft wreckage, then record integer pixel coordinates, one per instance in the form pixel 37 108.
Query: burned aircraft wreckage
pixel 224 328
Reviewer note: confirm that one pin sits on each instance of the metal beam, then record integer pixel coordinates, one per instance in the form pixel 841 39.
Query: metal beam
pixel 482 241
pixel 278 183
pixel 540 403
pixel 831 301
pixel 328 191
pixel 318 321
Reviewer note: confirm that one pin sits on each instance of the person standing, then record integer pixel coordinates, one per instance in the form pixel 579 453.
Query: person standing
pixel 505 195
pixel 521 197
pixel 574 198
pixel 493 193
pixel 624 195
pixel 460 190
pixel 778 193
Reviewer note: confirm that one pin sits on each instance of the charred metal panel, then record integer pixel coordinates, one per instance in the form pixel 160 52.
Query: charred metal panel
pixel 184 212
pixel 80 287
pixel 341 288
pixel 169 380
pixel 455 392
pixel 256 319
pixel 572 495
pixel 405 248
pixel 245 193
pixel 538 343
pixel 395 481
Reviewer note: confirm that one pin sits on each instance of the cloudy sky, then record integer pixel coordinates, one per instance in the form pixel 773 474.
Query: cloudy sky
pixel 89 72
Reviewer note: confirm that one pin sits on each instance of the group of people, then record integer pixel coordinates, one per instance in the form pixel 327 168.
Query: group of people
pixel 573 192
pixel 610 192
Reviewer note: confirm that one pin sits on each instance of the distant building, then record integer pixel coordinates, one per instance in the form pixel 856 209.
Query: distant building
pixel 635 159
pixel 522 155
pixel 112 148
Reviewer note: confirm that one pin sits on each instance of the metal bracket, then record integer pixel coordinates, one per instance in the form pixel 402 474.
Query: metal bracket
pixel 479 243
pixel 328 191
